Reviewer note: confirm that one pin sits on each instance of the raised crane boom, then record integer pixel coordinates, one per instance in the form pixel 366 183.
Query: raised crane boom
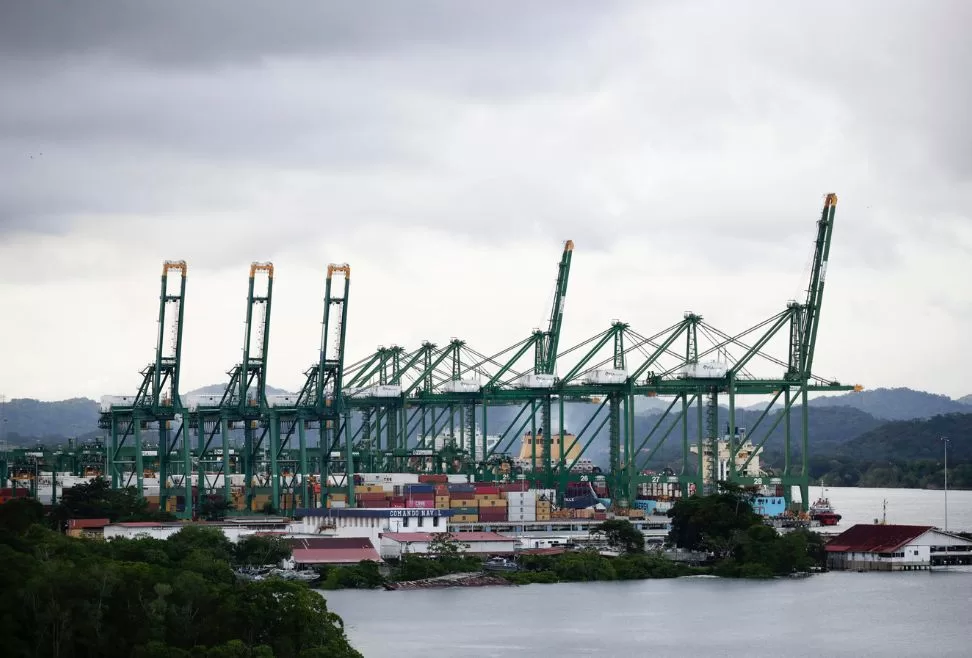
pixel 330 368
pixel 546 354
pixel 165 382
pixel 811 310
pixel 253 367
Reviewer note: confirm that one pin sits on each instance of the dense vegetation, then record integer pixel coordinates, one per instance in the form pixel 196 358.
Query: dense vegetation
pixel 902 454
pixel 725 527
pixel 151 598
pixel 588 565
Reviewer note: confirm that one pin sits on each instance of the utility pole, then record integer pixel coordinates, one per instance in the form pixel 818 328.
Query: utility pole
pixel 945 440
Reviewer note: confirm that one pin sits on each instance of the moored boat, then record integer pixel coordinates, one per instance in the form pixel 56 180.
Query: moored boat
pixel 823 512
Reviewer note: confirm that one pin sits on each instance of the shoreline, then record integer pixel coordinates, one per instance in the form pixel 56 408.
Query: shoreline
pixel 469 579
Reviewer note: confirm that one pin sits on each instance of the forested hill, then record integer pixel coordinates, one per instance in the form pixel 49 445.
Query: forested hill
pixel 896 403
pixel 902 454
pixel 26 420
pixel 914 439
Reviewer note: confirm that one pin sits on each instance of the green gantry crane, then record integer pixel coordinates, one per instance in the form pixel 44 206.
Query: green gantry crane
pixel 157 402
pixel 319 405
pixel 242 404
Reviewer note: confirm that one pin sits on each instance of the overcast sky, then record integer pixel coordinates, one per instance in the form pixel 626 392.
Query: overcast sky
pixel 447 149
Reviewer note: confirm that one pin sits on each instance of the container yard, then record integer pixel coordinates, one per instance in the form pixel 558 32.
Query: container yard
pixel 417 428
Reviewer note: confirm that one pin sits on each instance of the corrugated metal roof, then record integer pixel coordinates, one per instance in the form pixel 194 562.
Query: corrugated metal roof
pixel 334 555
pixel 460 536
pixel 330 542
pixel 866 538
pixel 87 523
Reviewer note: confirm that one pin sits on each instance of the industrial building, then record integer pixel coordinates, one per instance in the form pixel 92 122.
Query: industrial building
pixel 396 544
pixel 880 547
pixel 234 529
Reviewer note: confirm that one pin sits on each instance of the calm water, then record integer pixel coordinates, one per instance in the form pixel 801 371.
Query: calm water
pixel 905 506
pixel 834 614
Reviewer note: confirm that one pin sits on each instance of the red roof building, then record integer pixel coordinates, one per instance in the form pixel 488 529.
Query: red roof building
pixel 895 548
pixel 333 550
pixel 87 524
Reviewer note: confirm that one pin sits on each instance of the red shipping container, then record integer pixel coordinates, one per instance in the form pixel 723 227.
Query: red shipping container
pixel 442 490
pixel 421 504
pixel 433 479
pixel 422 496
pixel 487 489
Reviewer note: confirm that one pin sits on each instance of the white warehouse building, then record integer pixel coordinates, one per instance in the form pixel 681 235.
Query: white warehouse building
pixel 896 548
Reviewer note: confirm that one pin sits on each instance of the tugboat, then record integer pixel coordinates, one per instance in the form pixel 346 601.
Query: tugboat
pixel 822 512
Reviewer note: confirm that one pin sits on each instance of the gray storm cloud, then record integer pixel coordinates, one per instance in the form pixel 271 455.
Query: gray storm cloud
pixel 691 137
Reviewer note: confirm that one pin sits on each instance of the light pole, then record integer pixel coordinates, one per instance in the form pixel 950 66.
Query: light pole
pixel 945 440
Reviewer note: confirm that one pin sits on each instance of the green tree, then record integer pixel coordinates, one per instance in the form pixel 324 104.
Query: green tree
pixel 621 535
pixel 708 523
pixel 259 550
pixel 19 514
pixel 97 500
pixel 143 597
pixel 445 547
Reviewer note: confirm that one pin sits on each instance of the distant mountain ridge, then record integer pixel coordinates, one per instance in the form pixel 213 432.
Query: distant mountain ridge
pixel 217 389
pixel 895 403
pixel 834 420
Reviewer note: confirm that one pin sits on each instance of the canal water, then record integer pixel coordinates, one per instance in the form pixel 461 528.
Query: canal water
pixel 916 613
pixel 833 614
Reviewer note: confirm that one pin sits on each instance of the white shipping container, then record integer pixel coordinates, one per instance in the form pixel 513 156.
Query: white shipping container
pixel 531 380
pixel 521 498
pixel 288 400
pixel 606 376
pixel 530 493
pixel 522 517
pixel 461 386
pixel 521 509
pixel 377 391
pixel 109 401
pixel 193 402
pixel 703 370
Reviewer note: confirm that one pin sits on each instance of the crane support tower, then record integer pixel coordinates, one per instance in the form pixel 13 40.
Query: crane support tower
pixel 155 406
pixel 301 479
pixel 240 406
